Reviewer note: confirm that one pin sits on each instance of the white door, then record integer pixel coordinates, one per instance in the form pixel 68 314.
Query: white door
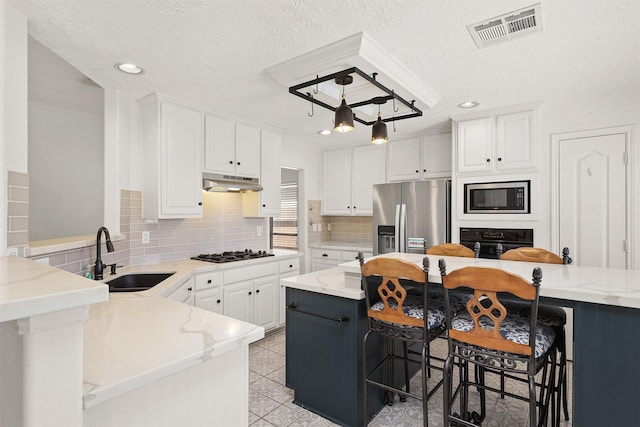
pixel 592 199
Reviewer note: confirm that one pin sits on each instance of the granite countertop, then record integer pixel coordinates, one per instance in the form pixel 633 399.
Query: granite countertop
pixel 28 288
pixel 610 286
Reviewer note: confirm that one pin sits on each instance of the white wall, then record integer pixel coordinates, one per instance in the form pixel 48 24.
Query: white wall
pixel 307 156
pixel 3 166
pixel 15 96
pixel 66 173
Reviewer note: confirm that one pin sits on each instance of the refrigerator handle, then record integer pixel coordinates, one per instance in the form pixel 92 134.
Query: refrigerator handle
pixel 403 228
pixel 396 236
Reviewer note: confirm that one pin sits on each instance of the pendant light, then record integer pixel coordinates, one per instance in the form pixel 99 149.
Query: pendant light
pixel 379 133
pixel 344 116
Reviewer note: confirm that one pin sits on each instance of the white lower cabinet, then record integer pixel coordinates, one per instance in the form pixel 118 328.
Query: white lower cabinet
pixel 208 291
pixel 251 294
pixel 184 293
pixel 287 268
pixel 323 258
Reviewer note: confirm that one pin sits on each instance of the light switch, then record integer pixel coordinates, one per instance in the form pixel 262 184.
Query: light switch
pixel 145 237
pixel 258 231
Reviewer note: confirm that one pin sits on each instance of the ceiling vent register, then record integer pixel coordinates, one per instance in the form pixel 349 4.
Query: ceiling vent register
pixel 507 27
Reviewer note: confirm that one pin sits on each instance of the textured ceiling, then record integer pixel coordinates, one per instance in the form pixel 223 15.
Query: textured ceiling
pixel 214 53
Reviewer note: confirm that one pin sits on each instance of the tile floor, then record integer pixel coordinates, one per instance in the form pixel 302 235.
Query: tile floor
pixel 270 401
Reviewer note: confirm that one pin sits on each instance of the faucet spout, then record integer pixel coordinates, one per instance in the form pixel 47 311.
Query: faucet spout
pixel 99 265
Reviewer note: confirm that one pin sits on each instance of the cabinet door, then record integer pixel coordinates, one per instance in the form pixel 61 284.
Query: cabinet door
pixel 474 145
pixel 368 168
pixel 436 156
pixel 238 301
pixel 336 189
pixel 404 160
pixel 270 174
pixel 220 143
pixel 514 141
pixel 181 166
pixel 247 151
pixel 184 293
pixel 210 299
pixel 265 302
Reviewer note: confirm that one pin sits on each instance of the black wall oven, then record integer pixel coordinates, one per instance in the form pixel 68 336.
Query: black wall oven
pixel 508 197
pixel 489 238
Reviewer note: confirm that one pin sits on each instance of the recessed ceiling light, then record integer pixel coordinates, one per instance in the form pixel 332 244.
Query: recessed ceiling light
pixel 129 68
pixel 324 132
pixel 468 104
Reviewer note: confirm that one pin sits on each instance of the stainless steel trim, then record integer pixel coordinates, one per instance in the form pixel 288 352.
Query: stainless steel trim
pixel 397 230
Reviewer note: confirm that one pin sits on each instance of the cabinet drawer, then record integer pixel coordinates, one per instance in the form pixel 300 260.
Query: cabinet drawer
pixel 353 255
pixel 251 272
pixel 208 280
pixel 326 254
pixel 289 265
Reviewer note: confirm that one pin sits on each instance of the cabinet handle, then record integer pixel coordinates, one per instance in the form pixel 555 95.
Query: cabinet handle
pixel 249 292
pixel 218 301
pixel 499 159
pixel 189 289
pixel 257 291
pixel 291 265
pixel 264 205
pixel 488 160
pixel 354 207
pixel 209 281
pixel 199 203
pixel 424 170
pixel 294 307
pixel 238 163
pixel 325 254
pixel 417 171
pixel 230 162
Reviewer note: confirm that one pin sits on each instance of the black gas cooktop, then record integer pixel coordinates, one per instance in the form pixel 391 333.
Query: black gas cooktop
pixel 232 256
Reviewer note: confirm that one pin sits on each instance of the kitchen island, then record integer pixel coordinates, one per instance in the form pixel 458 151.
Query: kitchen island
pixel 606 304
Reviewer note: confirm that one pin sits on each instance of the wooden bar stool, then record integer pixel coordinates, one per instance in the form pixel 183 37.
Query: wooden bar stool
pixel 455 249
pixel 491 337
pixel 550 315
pixel 401 318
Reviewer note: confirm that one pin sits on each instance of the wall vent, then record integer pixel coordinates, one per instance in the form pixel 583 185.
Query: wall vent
pixel 507 27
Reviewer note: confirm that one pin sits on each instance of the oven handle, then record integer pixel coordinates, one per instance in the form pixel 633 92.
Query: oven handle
pixel 293 307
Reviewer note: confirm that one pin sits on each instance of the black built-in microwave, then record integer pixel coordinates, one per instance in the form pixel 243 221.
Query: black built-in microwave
pixel 507 197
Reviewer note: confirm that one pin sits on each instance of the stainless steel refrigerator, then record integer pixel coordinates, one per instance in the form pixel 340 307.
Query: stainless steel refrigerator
pixel 411 216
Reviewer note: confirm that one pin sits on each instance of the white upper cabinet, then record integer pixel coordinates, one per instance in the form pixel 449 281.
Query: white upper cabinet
pixel 231 148
pixel 404 160
pixel 173 138
pixel 495 144
pixel 419 158
pixel 267 201
pixel 348 178
pixel 475 145
pixel 435 153
pixel 336 189
pixel 368 168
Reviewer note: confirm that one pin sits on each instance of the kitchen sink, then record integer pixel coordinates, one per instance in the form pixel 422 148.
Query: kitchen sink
pixel 136 282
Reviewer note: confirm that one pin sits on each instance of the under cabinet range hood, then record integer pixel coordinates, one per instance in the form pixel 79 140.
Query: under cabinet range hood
pixel 224 183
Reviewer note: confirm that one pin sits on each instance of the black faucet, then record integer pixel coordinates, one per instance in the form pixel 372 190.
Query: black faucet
pixel 99 267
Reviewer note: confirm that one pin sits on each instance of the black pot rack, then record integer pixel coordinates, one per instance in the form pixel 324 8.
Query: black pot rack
pixel 345 77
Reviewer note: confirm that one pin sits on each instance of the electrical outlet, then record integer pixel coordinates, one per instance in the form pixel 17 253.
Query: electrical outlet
pixel 258 231
pixel 145 237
